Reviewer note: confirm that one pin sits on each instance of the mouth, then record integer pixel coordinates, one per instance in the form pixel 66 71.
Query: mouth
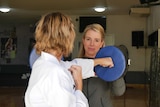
pixel 91 49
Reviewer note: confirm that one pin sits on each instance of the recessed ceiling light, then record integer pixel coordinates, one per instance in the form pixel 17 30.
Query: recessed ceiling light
pixel 100 9
pixel 4 10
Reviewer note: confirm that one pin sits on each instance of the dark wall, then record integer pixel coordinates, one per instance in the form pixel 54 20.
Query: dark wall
pixel 14 75
pixel 136 77
pixel 16 71
pixel 23 36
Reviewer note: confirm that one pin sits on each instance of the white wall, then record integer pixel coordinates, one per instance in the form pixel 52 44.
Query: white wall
pixel 122 26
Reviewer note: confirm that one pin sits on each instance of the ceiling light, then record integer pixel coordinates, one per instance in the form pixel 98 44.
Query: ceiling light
pixel 4 10
pixel 100 9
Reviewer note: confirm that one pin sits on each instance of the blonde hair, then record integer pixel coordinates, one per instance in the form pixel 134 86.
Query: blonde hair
pixel 55 31
pixel 95 27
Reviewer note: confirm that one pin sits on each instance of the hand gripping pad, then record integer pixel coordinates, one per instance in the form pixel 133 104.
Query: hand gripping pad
pixel 114 73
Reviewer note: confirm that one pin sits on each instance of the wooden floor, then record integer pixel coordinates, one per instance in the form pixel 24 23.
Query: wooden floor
pixel 133 97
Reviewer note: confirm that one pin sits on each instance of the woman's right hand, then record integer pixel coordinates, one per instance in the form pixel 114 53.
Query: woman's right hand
pixel 76 72
pixel 105 62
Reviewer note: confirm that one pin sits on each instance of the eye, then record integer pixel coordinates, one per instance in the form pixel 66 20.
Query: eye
pixel 98 40
pixel 87 39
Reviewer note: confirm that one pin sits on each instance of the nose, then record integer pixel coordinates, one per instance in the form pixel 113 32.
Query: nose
pixel 92 42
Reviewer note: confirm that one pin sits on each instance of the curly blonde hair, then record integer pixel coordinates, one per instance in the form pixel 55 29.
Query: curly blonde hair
pixel 55 31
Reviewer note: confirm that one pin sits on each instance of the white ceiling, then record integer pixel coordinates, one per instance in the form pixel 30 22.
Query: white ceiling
pixel 31 10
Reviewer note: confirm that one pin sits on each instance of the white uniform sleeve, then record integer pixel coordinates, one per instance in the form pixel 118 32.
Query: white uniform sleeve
pixel 51 85
pixel 86 64
pixel 63 96
pixel 51 91
pixel 60 97
pixel 80 97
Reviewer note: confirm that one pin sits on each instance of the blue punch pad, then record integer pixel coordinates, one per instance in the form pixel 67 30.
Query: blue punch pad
pixel 114 73
pixel 33 57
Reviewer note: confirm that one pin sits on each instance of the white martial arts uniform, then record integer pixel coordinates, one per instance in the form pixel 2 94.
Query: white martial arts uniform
pixel 52 85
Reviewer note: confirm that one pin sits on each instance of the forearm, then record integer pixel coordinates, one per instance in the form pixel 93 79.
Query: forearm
pixel 105 62
pixel 97 61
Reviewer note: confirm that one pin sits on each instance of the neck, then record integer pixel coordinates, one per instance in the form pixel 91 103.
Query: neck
pixel 54 53
pixel 89 56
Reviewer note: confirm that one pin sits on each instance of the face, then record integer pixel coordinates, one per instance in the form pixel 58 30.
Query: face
pixel 92 43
